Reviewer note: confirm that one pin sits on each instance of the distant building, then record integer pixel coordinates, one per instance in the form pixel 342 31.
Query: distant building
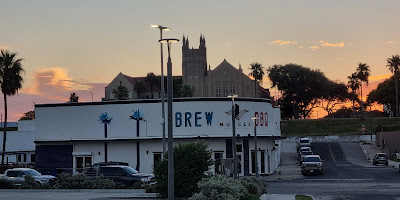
pixel 222 81
pixel 20 145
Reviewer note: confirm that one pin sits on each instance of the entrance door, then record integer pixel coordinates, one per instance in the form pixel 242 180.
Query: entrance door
pixel 240 164
pixel 83 162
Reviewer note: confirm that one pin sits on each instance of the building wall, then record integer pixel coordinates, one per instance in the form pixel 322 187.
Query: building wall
pixel 119 79
pixel 390 142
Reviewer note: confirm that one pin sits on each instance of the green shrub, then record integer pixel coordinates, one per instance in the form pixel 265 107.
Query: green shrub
pixel 30 183
pixel 250 197
pixel 254 185
pixel 219 187
pixel 191 160
pixel 81 181
pixel 6 184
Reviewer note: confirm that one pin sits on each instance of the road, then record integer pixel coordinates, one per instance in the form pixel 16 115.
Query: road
pixel 347 175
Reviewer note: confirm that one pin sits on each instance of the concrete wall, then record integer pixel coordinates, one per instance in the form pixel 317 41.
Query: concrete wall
pixel 390 142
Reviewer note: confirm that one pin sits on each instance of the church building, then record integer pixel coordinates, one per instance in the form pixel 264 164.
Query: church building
pixel 222 81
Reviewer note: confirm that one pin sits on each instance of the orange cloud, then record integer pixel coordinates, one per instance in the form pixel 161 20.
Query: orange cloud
pixel 380 77
pixel 276 42
pixel 4 47
pixel 314 48
pixel 281 42
pixel 390 42
pixel 285 42
pixel 54 83
pixel 327 44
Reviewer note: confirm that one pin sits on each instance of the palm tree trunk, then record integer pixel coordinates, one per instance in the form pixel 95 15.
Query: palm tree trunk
pixel 255 88
pixel 151 90
pixel 362 105
pixel 5 131
pixel 397 96
pixel 354 111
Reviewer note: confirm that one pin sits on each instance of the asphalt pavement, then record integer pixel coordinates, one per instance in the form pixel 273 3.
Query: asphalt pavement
pixel 347 175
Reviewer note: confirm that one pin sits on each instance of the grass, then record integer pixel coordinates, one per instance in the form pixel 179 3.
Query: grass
pixel 303 197
pixel 343 126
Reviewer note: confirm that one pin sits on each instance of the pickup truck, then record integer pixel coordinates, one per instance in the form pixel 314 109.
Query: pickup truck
pixel 126 175
pixel 312 164
pixel 17 176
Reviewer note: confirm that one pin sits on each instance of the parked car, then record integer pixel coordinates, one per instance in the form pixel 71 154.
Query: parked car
pixel 312 164
pixel 121 174
pixel 304 154
pixel 95 167
pixel 17 176
pixel 380 158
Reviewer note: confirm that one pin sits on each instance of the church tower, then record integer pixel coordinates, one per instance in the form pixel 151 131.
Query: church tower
pixel 194 66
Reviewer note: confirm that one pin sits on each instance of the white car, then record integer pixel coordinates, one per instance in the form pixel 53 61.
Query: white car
pixel 17 176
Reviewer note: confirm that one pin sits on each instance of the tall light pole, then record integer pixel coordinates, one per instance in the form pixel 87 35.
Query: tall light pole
pixel 162 28
pixel 255 146
pixel 170 133
pixel 92 95
pixel 234 137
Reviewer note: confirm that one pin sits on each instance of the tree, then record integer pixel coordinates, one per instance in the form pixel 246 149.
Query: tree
pixel 257 72
pixel 301 88
pixel 139 88
pixel 176 86
pixel 11 81
pixel 30 115
pixel 152 80
pixel 336 93
pixel 73 97
pixel 383 94
pixel 394 64
pixel 363 73
pixel 121 92
pixel 186 91
pixel 353 83
pixel 191 160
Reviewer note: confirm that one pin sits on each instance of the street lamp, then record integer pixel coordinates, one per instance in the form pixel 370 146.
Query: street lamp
pixel 162 28
pixel 170 133
pixel 255 146
pixel 234 137
pixel 92 95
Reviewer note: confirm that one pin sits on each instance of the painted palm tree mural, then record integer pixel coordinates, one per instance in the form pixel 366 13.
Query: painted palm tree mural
pixel 104 119
pixel 137 115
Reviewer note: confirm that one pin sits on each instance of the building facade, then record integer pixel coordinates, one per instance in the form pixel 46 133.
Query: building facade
pixel 70 137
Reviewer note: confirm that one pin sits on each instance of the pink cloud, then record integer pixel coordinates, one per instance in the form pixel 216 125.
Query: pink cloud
pixel 327 44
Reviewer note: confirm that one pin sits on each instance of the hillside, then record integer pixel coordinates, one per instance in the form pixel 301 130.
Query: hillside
pixel 343 126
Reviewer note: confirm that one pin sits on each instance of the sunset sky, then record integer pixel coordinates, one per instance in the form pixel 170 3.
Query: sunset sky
pixel 80 46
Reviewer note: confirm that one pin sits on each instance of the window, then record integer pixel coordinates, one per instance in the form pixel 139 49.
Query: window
pixel 33 157
pixel 19 158
pixel 111 95
pixel 24 157
pixel 218 156
pixel 262 161
pixel 12 174
pixel 225 91
pixel 232 89
pixel 156 158
pixel 83 161
pixel 238 148
pixel 253 162
pixel 218 89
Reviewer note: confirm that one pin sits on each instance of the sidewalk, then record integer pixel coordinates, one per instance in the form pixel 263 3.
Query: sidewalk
pixel 280 197
pixel 370 149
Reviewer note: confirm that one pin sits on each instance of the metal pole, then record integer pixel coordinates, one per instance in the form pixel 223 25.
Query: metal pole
pixel 162 99
pixel 170 134
pixel 255 149
pixel 234 140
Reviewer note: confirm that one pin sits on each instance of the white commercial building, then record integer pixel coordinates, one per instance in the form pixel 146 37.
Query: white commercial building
pixel 72 136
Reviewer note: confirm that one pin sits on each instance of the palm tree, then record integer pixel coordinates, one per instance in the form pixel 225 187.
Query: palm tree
pixel 363 73
pixel 151 79
pixel 353 83
pixel 73 98
pixel 394 64
pixel 11 81
pixel 139 88
pixel 186 91
pixel 257 72
pixel 121 92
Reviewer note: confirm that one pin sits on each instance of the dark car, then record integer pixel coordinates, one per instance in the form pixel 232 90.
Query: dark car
pixel 95 167
pixel 380 158
pixel 124 175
